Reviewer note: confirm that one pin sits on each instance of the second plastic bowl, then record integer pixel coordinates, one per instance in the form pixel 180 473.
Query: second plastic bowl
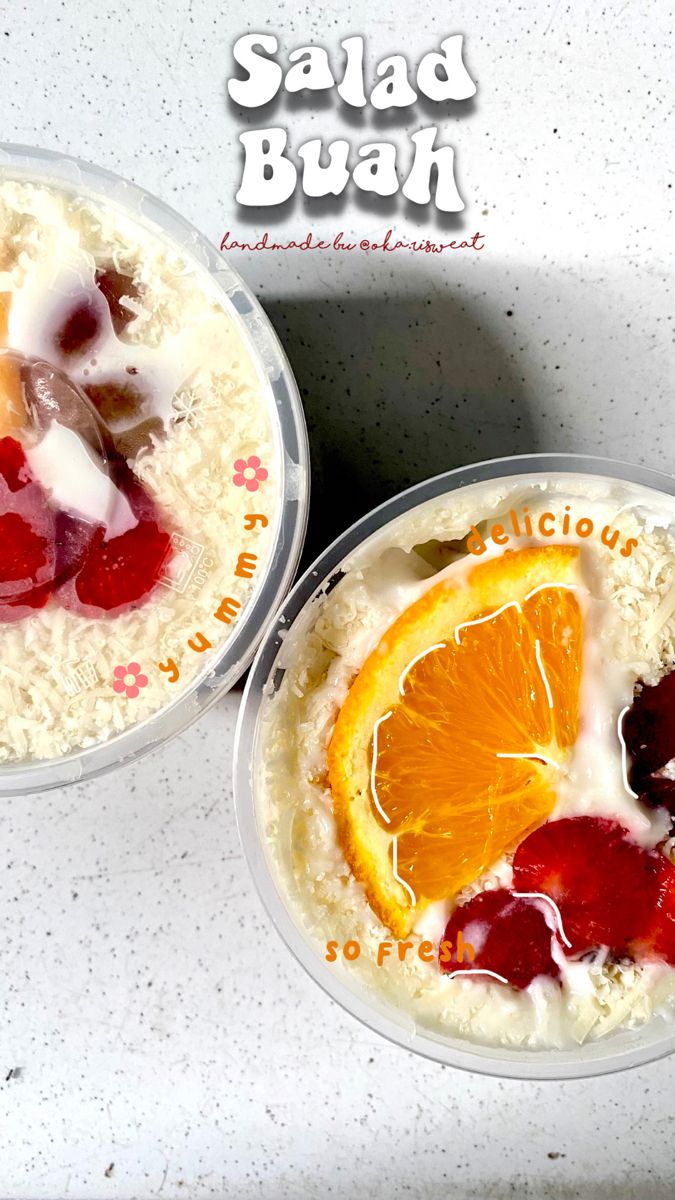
pixel 628 1048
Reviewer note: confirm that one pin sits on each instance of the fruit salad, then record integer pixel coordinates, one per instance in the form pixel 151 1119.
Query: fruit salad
pixel 469 758
pixel 139 472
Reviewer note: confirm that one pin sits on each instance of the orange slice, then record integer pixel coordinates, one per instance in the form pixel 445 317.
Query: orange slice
pixel 12 409
pixel 447 749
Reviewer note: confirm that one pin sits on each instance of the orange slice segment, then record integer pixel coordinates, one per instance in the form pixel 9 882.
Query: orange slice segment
pixel 12 409
pixel 447 748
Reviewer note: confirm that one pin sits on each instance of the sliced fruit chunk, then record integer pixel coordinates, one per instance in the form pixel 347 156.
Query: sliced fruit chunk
pixel 23 551
pixel 12 409
pixel 79 329
pixel 120 573
pixel 649 733
pixel 127 414
pixel 28 550
pixel 657 941
pixel 13 465
pixel 40 547
pixel 606 887
pixel 116 288
pixel 510 936
pixel 51 396
pixel 448 745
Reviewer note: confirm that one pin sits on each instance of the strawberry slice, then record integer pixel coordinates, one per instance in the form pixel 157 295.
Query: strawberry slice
pixel 510 936
pixel 28 551
pixel 657 941
pixel 24 551
pixel 649 733
pixel 80 328
pixel 13 466
pixel 605 885
pixel 40 548
pixel 119 573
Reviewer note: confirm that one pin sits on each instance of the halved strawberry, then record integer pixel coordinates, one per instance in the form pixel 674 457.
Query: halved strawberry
pixel 657 940
pixel 40 548
pixel 119 573
pixel 604 884
pixel 24 551
pixel 508 934
pixel 13 466
pixel 27 537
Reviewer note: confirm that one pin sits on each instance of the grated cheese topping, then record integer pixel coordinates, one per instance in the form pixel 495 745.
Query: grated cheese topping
pixel 631 637
pixel 57 667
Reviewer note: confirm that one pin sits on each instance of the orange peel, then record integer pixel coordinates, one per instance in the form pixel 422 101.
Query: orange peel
pixel 447 748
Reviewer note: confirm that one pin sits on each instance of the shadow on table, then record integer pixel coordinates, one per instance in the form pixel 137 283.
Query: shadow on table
pixel 456 1187
pixel 397 390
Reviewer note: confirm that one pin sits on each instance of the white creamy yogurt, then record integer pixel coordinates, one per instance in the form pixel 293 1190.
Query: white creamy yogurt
pixel 624 641
pixel 68 469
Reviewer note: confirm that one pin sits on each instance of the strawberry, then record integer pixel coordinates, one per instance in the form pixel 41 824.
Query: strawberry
pixel 28 550
pixel 119 573
pixel 649 733
pixel 604 884
pixel 657 940
pixel 509 935
pixel 13 466
pixel 39 548
pixel 24 551
pixel 25 605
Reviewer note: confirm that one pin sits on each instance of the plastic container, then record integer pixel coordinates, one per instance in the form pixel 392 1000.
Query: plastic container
pixel 623 1049
pixel 281 399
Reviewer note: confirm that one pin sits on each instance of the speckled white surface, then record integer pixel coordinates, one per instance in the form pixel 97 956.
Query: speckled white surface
pixel 156 1039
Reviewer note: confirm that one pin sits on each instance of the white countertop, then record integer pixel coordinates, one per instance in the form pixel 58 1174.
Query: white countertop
pixel 156 1037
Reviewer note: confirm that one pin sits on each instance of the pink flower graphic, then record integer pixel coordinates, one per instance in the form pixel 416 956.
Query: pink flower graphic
pixel 249 473
pixel 129 679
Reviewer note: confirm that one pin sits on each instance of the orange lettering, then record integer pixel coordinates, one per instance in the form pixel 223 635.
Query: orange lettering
pixel 170 669
pixel 445 952
pixel 246 564
pixel 461 947
pixel 227 609
pixel 199 643
pixel 253 519
pixel 426 951
pixel 383 952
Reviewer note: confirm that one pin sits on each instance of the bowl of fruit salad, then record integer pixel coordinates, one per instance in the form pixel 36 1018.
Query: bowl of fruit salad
pixel 456 763
pixel 153 471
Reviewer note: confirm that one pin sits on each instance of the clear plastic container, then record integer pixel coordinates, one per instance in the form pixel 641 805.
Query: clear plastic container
pixel 614 1052
pixel 281 400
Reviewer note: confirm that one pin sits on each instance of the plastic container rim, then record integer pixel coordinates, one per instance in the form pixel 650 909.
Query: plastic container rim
pixel 70 173
pixel 597 1058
